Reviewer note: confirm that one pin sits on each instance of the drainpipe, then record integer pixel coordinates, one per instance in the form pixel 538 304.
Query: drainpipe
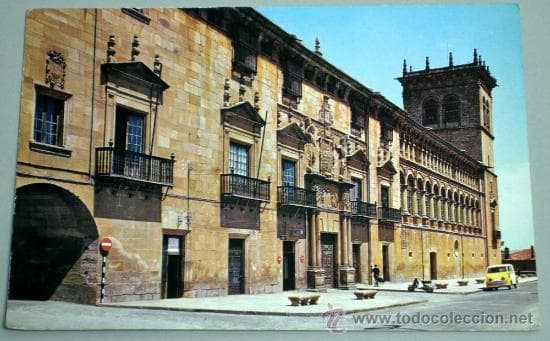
pixel 92 112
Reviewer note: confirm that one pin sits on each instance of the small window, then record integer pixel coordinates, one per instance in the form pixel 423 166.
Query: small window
pixel 245 55
pixel 431 108
pixel 486 114
pixel 358 114
pixel 137 13
pixel 48 120
pixel 289 173
pixel 292 80
pixel 451 109
pixel 386 132
pixel 238 159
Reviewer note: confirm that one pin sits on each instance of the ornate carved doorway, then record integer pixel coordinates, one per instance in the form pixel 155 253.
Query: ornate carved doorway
pixel 328 258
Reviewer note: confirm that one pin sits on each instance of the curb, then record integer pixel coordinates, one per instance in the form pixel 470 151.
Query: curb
pixel 440 292
pixel 434 292
pixel 253 312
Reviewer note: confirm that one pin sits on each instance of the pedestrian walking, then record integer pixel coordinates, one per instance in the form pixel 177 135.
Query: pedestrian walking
pixel 376 275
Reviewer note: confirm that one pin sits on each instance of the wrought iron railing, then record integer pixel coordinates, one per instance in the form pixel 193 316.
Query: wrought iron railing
pixel 364 209
pixel 389 214
pixel 290 195
pixel 245 187
pixel 112 162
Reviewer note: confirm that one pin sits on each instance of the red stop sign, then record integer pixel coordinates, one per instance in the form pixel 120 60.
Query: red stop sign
pixel 105 244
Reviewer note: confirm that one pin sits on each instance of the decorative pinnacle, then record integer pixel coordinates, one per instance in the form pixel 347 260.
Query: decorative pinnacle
pixel 135 45
pixel 475 56
pixel 427 63
pixel 450 59
pixel 257 101
pixel 111 47
pixel 318 46
pixel 404 66
pixel 157 67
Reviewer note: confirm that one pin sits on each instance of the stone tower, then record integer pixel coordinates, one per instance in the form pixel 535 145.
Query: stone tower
pixel 455 102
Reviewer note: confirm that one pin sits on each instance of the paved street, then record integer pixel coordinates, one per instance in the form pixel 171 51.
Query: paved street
pixel 66 316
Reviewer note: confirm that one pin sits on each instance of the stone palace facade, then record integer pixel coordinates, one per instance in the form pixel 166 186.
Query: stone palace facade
pixel 221 156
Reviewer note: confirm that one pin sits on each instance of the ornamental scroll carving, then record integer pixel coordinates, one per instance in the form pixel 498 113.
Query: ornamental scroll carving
pixel 55 69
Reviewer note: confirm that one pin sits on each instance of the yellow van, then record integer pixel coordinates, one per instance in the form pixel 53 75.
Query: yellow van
pixel 502 275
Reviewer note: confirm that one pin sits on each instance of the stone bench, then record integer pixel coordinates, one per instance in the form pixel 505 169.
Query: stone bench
pixel 480 280
pixel 365 294
pixel 462 283
pixel 441 285
pixel 296 300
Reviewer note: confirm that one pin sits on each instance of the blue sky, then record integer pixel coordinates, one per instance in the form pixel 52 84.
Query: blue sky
pixel 370 42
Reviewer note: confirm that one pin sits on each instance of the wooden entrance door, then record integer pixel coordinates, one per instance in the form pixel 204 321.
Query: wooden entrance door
pixel 385 263
pixel 235 267
pixel 328 254
pixel 288 266
pixel 357 262
pixel 172 264
pixel 433 265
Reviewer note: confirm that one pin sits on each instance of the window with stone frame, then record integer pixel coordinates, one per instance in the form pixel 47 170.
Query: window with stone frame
pixel 48 120
pixel 384 196
pixel 430 112
pixel 451 109
pixel 292 84
pixel 358 114
pixel 386 135
pixel 486 114
pixel 245 54
pixel 49 116
pixel 238 158
pixel 355 191
pixel 289 172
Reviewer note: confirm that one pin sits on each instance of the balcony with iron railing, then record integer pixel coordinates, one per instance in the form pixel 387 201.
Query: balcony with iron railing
pixel 389 214
pixel 240 186
pixel 116 163
pixel 363 209
pixel 295 196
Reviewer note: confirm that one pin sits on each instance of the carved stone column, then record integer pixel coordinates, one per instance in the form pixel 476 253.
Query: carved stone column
pixel 317 240
pixel 350 247
pixel 346 271
pixel 315 272
pixel 312 242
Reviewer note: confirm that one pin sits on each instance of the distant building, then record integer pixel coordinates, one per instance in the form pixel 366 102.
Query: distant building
pixel 221 156
pixel 523 260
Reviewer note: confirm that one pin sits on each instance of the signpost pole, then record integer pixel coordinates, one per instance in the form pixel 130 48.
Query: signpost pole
pixel 104 247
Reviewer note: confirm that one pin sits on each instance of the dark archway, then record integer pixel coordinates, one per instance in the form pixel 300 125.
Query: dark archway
pixel 53 252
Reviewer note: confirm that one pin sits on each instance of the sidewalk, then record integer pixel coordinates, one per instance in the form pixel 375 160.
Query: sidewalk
pixel 274 304
pixel 452 288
